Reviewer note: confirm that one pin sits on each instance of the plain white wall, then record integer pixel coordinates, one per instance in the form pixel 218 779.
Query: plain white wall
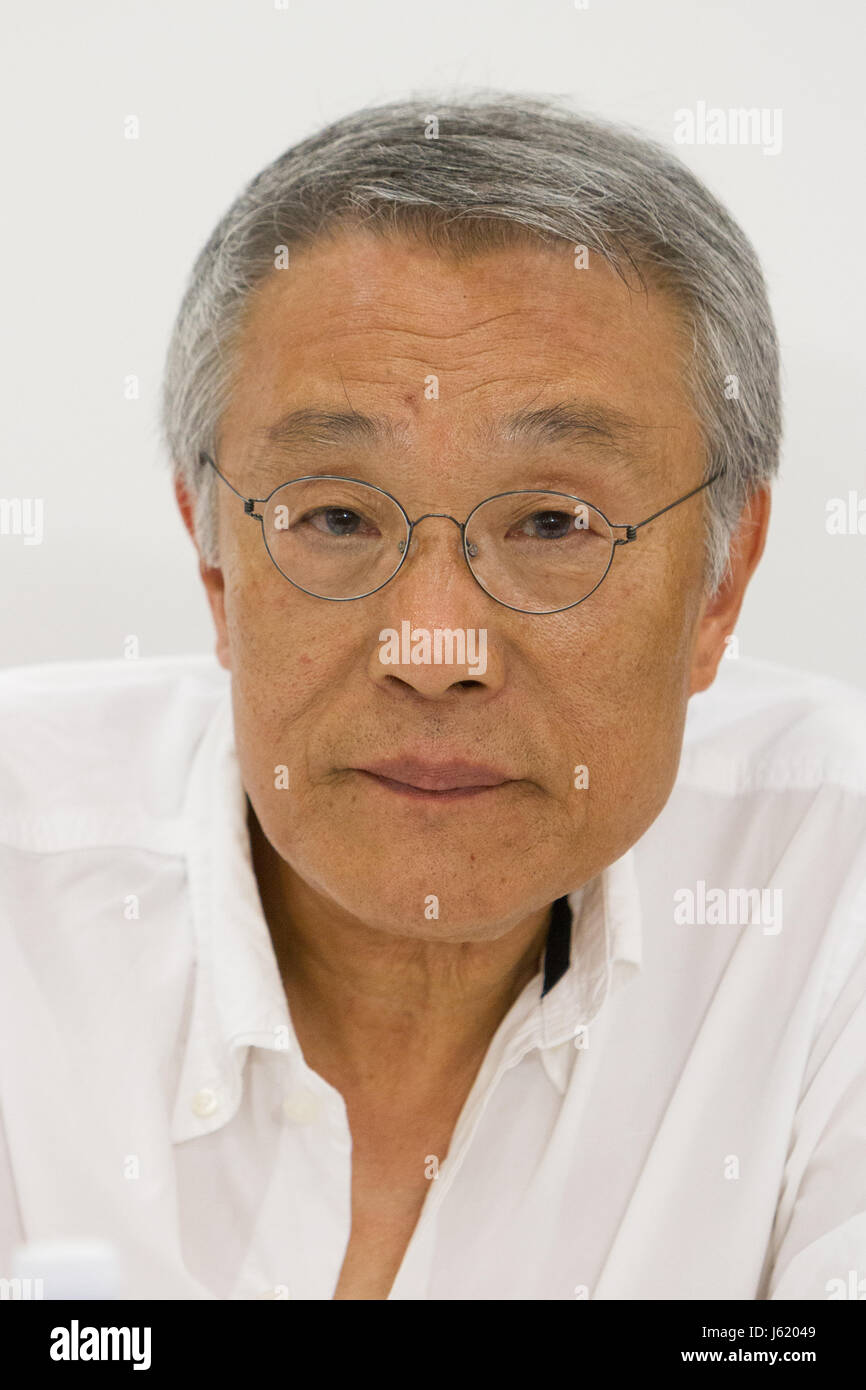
pixel 100 232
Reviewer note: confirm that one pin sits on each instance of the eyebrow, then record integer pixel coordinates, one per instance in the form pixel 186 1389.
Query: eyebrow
pixel 312 425
pixel 572 422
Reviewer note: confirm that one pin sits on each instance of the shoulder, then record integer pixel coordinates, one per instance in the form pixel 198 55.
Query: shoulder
pixel 85 746
pixel 772 791
pixel 773 728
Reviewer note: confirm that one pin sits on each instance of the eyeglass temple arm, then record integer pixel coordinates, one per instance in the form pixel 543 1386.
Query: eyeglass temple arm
pixel 631 530
pixel 249 502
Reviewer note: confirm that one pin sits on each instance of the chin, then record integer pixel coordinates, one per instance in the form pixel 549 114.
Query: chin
pixel 433 905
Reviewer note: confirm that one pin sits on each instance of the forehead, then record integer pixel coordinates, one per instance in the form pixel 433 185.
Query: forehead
pixel 366 320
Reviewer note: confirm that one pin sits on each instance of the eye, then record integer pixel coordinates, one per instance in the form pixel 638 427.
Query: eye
pixel 547 525
pixel 337 522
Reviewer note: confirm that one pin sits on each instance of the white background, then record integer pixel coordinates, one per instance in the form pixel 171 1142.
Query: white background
pixel 100 232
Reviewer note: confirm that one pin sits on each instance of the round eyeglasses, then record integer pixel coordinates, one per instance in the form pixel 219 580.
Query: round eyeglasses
pixel 534 551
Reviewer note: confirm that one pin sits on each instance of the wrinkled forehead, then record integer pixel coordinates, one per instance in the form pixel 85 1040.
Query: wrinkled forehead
pixel 364 323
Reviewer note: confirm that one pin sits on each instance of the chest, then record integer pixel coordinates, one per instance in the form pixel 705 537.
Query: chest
pixel 394 1162
pixel 382 1228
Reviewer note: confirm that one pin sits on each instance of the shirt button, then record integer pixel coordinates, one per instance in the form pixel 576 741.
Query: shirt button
pixel 302 1107
pixel 205 1102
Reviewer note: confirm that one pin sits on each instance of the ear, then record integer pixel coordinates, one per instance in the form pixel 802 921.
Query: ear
pixel 211 577
pixel 720 613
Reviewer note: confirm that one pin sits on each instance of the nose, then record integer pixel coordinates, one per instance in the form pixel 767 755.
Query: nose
pixel 435 626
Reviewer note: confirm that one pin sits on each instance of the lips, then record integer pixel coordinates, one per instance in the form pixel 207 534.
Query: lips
pixel 452 775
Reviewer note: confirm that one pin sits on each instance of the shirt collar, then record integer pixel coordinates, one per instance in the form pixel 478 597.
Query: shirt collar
pixel 605 952
pixel 239 1000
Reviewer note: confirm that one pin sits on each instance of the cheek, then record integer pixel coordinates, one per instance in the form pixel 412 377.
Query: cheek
pixel 626 696
pixel 279 662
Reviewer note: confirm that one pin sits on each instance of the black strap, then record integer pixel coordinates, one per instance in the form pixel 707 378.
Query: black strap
pixel 557 952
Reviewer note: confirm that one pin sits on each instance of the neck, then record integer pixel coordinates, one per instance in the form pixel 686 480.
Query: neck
pixel 368 1003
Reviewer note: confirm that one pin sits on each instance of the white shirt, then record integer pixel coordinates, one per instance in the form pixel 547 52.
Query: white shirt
pixel 683 1115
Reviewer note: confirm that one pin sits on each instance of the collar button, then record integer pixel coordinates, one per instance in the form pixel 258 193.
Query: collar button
pixel 205 1102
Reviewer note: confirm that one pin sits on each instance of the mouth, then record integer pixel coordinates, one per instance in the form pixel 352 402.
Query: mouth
pixel 445 781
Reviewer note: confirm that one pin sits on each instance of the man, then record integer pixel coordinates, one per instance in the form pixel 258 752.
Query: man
pixel 432 944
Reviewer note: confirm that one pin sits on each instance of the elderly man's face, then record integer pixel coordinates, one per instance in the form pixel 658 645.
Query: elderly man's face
pixel 361 322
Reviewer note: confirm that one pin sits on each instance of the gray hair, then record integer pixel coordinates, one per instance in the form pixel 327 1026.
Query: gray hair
pixel 502 168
